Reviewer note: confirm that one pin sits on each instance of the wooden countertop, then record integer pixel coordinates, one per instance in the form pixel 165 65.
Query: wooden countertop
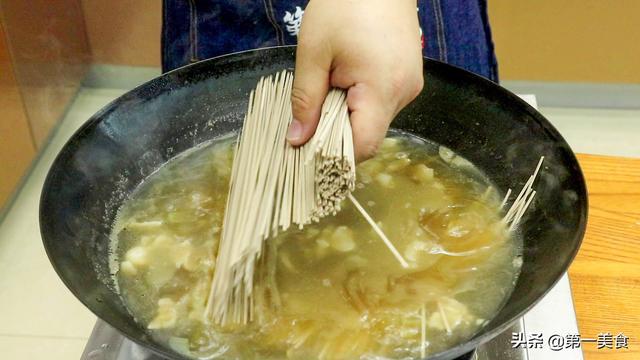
pixel 605 277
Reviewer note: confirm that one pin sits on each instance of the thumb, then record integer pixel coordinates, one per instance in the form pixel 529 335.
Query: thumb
pixel 310 87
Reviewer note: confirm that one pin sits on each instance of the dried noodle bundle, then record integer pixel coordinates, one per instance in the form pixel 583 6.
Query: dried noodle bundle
pixel 274 185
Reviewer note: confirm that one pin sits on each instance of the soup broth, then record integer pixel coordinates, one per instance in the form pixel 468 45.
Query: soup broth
pixel 331 290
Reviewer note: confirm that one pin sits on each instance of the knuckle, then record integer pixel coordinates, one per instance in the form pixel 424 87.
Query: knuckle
pixel 404 84
pixel 300 100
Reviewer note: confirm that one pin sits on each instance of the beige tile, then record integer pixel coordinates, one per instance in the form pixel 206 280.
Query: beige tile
pixel 33 300
pixel 36 348
pixel 87 103
pixel 598 131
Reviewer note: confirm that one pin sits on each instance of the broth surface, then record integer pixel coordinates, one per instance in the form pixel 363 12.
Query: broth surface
pixel 332 290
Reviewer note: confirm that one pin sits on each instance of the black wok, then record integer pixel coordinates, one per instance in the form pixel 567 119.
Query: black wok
pixel 131 137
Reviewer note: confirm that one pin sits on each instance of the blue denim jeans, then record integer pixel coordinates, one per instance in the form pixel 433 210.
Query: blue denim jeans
pixel 454 31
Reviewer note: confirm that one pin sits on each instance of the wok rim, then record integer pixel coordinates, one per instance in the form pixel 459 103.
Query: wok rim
pixel 450 353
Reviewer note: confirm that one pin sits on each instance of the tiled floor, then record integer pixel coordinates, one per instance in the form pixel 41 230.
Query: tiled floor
pixel 40 319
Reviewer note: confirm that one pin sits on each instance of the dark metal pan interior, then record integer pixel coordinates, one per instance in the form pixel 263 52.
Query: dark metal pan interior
pixel 134 135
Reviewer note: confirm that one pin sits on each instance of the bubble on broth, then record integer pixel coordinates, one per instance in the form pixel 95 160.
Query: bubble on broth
pixel 331 290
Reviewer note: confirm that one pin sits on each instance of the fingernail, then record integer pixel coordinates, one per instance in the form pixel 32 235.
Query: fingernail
pixel 295 130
